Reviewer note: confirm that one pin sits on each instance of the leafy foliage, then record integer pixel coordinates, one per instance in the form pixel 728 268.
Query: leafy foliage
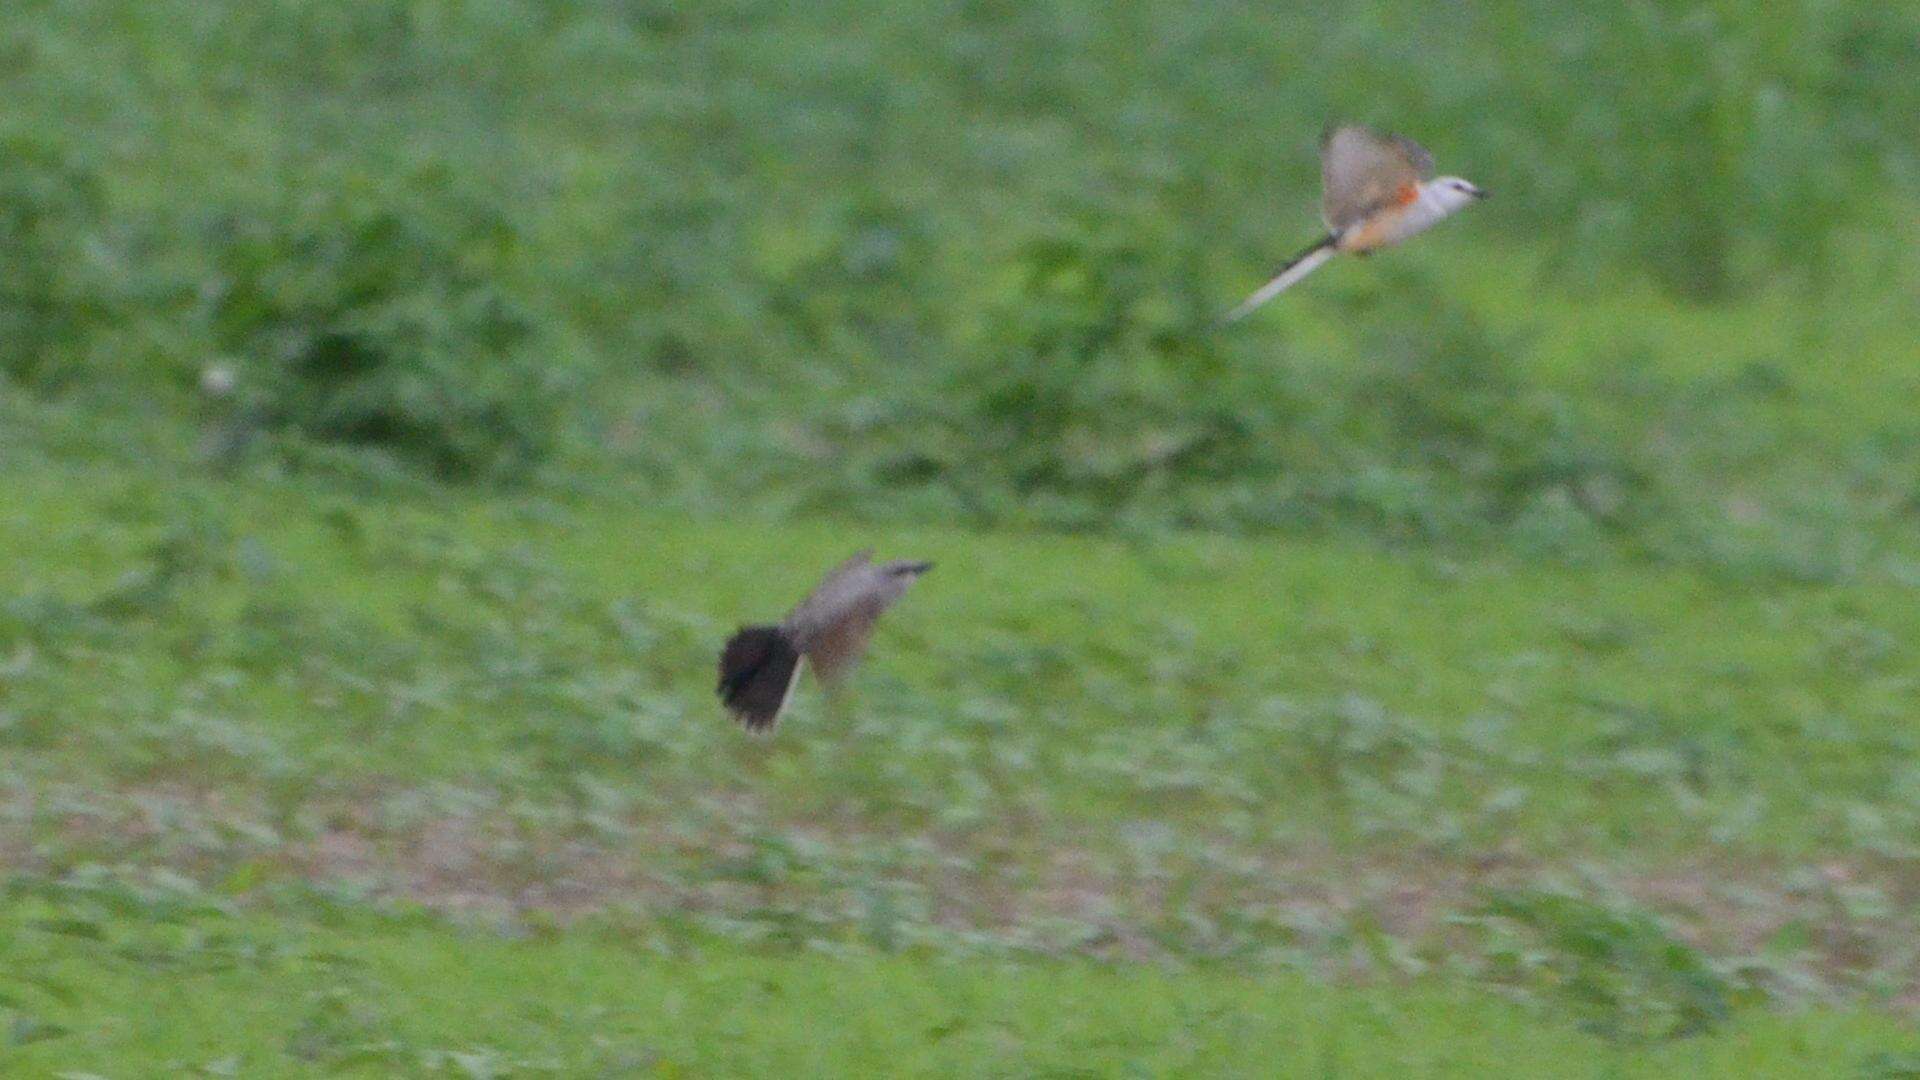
pixel 372 311
pixel 962 263
pixel 1619 970
pixel 1635 440
pixel 51 208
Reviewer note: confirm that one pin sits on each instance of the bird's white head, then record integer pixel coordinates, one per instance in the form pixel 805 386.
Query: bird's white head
pixel 1449 194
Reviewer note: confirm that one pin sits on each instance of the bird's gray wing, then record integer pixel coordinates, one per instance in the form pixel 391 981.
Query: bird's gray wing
pixel 1416 156
pixel 837 646
pixel 837 592
pixel 1363 171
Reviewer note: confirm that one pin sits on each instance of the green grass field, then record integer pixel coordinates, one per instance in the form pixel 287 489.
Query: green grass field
pixel 1497 658
pixel 1613 800
pixel 251 1000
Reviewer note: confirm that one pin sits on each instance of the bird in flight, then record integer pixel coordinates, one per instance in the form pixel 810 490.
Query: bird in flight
pixel 1376 190
pixel 829 629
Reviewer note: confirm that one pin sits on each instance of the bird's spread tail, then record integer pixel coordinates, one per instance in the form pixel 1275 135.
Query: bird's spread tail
pixel 1298 267
pixel 758 670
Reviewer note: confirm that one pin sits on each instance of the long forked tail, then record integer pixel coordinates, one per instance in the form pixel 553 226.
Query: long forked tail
pixel 1298 267
pixel 758 670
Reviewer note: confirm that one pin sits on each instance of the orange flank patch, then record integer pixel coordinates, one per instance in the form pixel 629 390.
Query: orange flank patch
pixel 1382 226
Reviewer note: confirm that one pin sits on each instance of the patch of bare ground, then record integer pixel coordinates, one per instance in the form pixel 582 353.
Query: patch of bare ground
pixel 1848 922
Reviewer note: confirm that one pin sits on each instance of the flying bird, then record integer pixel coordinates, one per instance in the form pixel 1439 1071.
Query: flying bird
pixel 1376 190
pixel 829 629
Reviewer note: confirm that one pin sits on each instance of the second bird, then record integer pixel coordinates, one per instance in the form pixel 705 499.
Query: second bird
pixel 829 630
pixel 1376 190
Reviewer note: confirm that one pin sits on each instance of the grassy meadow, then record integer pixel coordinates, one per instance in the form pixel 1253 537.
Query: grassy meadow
pixel 1497 657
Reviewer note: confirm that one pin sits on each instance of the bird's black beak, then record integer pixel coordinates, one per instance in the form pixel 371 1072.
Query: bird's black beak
pixel 1481 193
pixel 916 568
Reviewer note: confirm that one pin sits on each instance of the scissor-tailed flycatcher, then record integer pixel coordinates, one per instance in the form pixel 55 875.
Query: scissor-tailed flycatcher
pixel 1377 190
pixel 829 629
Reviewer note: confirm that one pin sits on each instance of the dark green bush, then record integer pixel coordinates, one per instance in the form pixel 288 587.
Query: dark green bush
pixel 51 223
pixel 374 312
pixel 1616 968
pixel 809 259
pixel 1100 389
pixel 1438 394
pixel 1092 374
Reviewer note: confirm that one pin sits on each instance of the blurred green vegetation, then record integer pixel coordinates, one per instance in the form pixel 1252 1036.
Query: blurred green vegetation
pixel 962 261
pixel 1640 799
pixel 395 395
pixel 358 996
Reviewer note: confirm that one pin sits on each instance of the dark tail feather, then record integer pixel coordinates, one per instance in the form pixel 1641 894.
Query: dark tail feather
pixel 1286 277
pixel 757 670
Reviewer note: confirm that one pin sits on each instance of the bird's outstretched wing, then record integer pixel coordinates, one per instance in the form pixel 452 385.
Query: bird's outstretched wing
pixel 1363 171
pixel 831 626
pixel 835 589
pixel 838 647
